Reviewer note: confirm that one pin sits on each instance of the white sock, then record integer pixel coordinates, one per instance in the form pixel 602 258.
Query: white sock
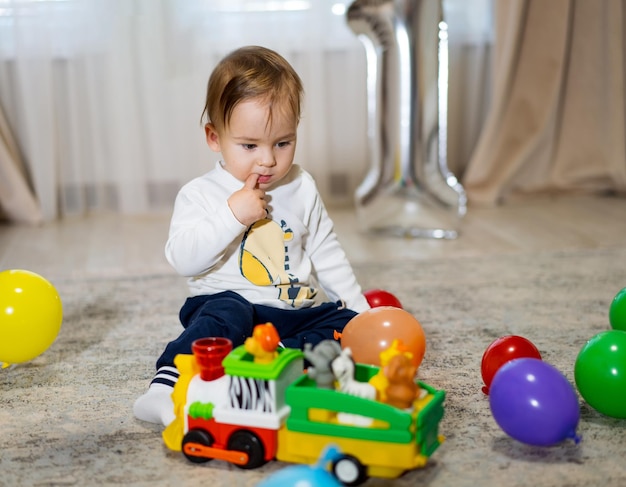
pixel 156 405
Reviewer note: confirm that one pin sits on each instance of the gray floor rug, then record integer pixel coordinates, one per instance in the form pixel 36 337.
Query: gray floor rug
pixel 66 419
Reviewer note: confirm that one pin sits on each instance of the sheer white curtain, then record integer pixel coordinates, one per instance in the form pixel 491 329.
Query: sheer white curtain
pixel 104 96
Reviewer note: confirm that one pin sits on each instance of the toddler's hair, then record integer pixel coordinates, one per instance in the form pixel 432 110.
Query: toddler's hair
pixel 247 73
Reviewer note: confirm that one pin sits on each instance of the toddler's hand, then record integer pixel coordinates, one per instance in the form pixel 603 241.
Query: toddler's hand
pixel 248 204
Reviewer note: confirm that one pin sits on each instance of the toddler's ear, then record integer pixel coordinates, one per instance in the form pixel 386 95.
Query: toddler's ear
pixel 212 137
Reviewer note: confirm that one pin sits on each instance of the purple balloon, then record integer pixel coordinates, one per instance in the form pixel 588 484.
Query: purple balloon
pixel 534 403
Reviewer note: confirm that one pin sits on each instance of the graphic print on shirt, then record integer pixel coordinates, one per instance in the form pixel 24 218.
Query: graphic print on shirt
pixel 264 260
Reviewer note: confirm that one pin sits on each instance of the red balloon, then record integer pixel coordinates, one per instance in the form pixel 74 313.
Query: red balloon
pixel 380 297
pixel 503 350
pixel 374 330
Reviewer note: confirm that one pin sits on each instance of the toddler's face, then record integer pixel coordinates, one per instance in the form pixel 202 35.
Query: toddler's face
pixel 249 144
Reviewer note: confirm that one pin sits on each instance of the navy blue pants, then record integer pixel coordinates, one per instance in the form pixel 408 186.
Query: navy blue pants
pixel 229 315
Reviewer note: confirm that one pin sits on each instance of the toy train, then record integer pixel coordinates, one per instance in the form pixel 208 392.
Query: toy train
pixel 248 408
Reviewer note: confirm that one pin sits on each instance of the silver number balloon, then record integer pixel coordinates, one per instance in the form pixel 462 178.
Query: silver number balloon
pixel 408 190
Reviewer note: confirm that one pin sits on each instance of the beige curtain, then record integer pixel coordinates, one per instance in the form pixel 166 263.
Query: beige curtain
pixel 17 202
pixel 557 118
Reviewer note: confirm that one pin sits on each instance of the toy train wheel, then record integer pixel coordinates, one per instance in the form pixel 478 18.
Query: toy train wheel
pixel 199 437
pixel 249 443
pixel 349 470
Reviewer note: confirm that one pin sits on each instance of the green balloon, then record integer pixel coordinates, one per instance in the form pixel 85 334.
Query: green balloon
pixel 617 311
pixel 600 373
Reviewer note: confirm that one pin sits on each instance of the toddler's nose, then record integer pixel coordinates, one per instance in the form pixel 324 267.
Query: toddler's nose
pixel 267 161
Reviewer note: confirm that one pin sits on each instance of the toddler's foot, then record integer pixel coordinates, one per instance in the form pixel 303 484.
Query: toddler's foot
pixel 156 405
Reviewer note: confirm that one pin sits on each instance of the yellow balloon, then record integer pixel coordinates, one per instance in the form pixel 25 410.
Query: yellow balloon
pixel 30 315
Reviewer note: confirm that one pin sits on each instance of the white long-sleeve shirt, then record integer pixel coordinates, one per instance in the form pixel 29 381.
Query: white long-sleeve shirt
pixel 281 261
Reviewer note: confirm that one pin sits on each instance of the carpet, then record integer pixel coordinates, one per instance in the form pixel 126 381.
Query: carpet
pixel 66 419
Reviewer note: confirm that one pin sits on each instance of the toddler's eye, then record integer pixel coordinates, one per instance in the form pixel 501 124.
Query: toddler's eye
pixel 283 144
pixel 248 146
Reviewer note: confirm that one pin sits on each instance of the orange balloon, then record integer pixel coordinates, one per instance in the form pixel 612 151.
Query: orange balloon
pixel 374 330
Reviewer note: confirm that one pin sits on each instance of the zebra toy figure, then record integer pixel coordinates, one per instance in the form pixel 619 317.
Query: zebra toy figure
pixel 343 367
